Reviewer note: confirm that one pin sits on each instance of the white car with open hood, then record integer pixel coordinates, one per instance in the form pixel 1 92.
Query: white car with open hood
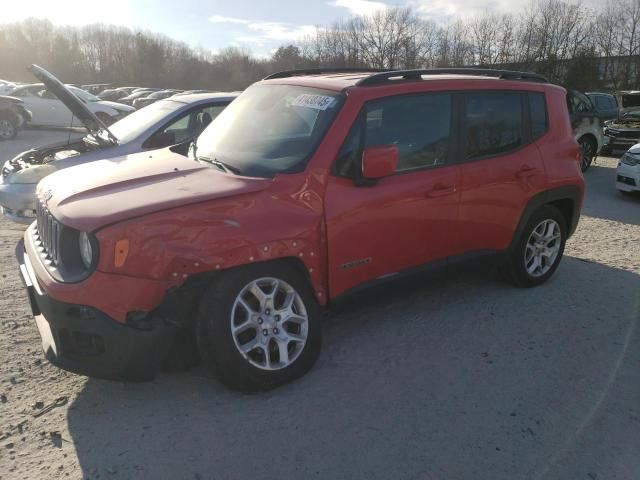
pixel 173 122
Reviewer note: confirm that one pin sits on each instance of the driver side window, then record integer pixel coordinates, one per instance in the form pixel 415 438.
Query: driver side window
pixel 419 125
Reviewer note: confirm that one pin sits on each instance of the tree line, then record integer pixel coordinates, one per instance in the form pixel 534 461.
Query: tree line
pixel 571 44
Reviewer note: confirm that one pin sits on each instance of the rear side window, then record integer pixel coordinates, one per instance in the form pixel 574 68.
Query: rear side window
pixel 493 123
pixel 419 125
pixel 538 113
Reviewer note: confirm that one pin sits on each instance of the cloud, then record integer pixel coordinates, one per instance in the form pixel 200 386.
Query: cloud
pixel 360 7
pixel 259 33
pixel 221 19
pixel 281 31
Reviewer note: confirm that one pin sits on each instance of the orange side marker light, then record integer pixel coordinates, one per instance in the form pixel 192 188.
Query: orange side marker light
pixel 121 252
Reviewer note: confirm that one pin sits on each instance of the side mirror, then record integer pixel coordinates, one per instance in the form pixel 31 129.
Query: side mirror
pixel 381 161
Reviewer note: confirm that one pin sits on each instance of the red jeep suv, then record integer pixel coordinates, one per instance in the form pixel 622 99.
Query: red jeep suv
pixel 308 185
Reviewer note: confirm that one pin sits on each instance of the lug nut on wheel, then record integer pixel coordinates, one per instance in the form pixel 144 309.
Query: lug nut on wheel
pixel 277 318
pixel 275 330
pixel 260 321
pixel 265 332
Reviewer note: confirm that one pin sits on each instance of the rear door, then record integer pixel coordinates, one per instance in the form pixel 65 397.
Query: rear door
pixel 376 229
pixel 501 167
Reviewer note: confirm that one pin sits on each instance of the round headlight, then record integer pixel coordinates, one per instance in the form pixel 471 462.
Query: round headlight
pixel 86 251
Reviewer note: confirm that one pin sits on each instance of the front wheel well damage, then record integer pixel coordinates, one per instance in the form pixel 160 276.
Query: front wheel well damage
pixel 181 305
pixel 190 292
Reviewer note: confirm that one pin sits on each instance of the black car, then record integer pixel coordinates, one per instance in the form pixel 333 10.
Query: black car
pixel 128 100
pixel 13 116
pixel 112 94
pixel 605 105
pixel 153 97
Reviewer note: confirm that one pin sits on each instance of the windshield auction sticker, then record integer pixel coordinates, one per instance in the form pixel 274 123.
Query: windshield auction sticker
pixel 317 102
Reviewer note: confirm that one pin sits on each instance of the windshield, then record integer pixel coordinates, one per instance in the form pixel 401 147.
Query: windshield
pixel 630 101
pixel 137 122
pixel 270 129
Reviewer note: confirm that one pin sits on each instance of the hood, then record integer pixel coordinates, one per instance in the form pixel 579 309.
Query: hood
pixel 90 196
pixel 635 150
pixel 92 123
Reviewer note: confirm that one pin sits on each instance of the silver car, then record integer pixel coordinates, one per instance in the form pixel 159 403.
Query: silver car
pixel 174 121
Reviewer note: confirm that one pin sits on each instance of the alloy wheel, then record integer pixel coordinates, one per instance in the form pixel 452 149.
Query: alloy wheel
pixel 542 248
pixel 7 130
pixel 588 152
pixel 269 323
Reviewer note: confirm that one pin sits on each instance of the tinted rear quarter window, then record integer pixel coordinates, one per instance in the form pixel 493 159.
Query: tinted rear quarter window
pixel 538 113
pixel 493 123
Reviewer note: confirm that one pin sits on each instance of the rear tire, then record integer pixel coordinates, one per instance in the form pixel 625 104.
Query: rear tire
pixel 538 251
pixel 274 352
pixel 8 127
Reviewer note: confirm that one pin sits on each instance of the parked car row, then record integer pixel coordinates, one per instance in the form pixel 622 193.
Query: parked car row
pixel 13 116
pixel 47 109
pixel 165 123
pixel 229 243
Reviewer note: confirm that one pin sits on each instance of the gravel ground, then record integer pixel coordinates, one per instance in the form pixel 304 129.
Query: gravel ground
pixel 454 377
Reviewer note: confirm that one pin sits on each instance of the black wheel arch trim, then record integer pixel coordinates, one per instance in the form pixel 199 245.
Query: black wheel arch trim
pixel 567 192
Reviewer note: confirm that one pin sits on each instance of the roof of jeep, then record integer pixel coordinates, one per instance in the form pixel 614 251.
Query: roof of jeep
pixel 342 81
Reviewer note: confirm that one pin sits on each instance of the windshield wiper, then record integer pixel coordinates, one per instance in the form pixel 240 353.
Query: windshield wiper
pixel 225 167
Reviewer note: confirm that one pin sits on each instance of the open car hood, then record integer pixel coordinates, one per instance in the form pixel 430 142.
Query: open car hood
pixel 92 123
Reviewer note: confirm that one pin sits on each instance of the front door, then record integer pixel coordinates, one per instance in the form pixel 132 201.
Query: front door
pixel 376 229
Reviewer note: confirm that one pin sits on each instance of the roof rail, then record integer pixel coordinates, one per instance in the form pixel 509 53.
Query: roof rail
pixel 378 78
pixel 320 71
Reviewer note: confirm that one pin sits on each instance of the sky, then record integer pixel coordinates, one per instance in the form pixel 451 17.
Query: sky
pixel 259 25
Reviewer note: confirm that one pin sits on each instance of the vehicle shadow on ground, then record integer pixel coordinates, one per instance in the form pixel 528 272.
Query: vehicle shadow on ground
pixel 603 200
pixel 456 376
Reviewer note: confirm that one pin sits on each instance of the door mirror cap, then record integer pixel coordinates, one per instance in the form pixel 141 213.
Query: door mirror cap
pixel 379 162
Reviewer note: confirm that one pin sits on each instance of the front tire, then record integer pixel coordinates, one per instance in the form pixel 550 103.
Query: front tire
pixel 588 148
pixel 538 251
pixel 259 327
pixel 8 127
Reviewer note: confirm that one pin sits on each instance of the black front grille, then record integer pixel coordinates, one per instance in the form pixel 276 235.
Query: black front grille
pixel 48 234
pixel 626 180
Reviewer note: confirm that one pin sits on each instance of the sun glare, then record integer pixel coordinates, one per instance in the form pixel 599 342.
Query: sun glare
pixel 67 12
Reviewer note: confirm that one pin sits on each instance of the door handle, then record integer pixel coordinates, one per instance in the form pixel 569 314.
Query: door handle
pixel 440 190
pixel 526 172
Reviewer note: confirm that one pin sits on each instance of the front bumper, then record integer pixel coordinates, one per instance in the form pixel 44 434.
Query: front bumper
pixel 18 202
pixel 619 142
pixel 628 178
pixel 84 340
